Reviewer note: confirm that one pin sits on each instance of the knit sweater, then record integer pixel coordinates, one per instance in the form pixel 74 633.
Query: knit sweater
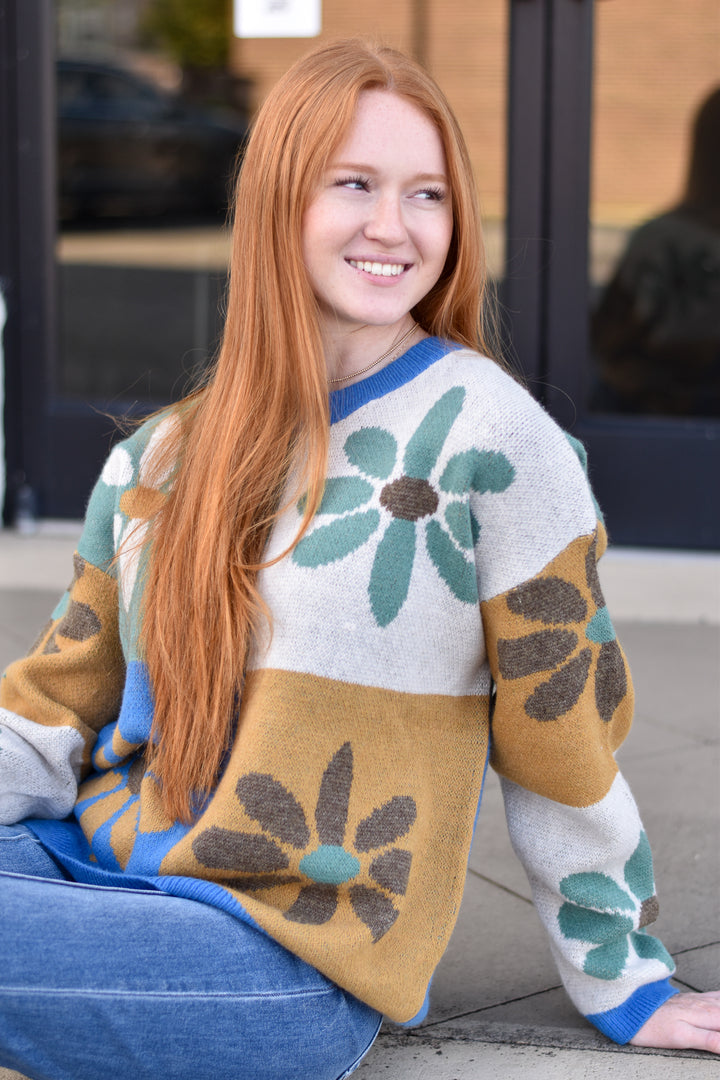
pixel 443 610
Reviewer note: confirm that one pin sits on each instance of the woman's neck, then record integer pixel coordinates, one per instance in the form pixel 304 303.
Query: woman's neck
pixel 351 355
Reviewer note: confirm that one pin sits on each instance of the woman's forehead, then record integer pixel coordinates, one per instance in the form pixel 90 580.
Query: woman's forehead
pixel 387 126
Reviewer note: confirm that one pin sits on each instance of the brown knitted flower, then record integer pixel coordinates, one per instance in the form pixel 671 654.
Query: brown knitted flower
pixel 285 853
pixel 571 621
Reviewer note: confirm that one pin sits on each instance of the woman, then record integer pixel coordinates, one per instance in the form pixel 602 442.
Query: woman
pixel 272 673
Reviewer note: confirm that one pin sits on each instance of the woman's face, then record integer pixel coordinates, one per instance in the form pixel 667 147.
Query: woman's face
pixel 376 233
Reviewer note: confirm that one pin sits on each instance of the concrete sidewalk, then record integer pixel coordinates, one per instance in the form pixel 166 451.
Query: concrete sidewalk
pixel 497 1006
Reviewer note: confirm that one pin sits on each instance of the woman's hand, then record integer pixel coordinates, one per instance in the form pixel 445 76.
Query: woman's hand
pixel 684 1022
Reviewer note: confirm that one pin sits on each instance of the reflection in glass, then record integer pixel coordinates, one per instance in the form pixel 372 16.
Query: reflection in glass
pixel 151 120
pixel 656 329
pixel 125 147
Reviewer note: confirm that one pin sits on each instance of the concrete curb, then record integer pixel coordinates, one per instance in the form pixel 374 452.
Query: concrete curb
pixel 420 1058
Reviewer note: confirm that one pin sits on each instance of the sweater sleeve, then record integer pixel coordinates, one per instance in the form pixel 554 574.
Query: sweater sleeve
pixel 54 703
pixel 55 700
pixel 563 705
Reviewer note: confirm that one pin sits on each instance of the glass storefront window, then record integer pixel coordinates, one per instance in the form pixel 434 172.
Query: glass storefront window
pixel 148 135
pixel 151 113
pixel 655 218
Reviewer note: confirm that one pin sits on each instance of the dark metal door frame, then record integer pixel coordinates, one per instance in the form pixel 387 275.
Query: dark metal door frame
pixel 527 252
pixel 27 234
pixel 53 444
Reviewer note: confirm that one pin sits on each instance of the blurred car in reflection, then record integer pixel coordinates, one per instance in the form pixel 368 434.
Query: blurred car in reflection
pixel 126 148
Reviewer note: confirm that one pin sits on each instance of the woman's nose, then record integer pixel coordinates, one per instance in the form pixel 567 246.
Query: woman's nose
pixel 386 222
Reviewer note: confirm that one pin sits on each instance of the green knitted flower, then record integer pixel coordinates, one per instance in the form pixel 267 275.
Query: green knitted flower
pixel 599 911
pixel 406 500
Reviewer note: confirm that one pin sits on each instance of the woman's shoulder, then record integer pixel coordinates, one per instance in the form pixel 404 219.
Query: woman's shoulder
pixel 497 402
pixel 135 458
pixel 525 477
pixel 487 377
pixel 136 474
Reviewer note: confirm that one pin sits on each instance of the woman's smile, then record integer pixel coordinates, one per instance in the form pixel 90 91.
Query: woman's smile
pixel 378 269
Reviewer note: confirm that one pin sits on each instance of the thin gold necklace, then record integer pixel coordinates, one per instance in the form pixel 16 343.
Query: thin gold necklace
pixel 393 348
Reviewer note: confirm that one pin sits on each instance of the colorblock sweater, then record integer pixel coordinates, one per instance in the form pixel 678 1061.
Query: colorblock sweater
pixel 442 611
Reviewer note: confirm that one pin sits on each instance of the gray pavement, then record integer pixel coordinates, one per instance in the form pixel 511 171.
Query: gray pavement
pixel 497 1005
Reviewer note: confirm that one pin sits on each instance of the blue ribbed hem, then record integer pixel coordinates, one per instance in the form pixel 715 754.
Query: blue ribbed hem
pixel 420 1015
pixel 66 843
pixel 621 1023
pixel 412 363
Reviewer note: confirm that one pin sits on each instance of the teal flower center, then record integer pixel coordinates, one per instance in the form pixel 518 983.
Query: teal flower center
pixel 330 865
pixel 600 628
pixel 410 498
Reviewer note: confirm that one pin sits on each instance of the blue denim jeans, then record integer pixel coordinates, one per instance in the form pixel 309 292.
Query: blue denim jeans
pixel 138 985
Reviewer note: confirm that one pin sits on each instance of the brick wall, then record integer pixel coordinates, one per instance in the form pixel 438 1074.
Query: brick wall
pixel 655 62
pixel 464 46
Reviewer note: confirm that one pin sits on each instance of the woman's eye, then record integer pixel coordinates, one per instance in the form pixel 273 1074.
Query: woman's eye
pixel 432 194
pixel 356 183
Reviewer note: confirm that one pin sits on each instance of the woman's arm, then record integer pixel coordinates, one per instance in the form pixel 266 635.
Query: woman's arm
pixel 39 769
pixel 563 705
pixel 55 700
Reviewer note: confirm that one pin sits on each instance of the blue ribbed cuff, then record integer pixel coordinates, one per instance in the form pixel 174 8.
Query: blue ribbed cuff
pixel 621 1023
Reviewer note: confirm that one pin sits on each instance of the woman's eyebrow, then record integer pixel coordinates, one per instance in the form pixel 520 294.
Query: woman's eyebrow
pixel 352 166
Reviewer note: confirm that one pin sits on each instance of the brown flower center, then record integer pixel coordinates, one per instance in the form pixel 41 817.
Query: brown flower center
pixel 649 911
pixel 409 498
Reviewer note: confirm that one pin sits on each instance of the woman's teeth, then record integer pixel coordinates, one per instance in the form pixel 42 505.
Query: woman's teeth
pixel 384 269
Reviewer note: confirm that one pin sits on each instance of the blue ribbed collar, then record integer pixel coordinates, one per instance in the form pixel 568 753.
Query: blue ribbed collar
pixel 416 360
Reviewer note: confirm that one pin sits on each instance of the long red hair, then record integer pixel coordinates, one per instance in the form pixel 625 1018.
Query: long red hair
pixel 264 408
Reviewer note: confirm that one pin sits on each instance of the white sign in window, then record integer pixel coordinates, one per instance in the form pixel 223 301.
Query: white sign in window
pixel 276 18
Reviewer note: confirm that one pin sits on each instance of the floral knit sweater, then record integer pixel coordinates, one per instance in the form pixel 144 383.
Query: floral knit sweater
pixel 442 610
